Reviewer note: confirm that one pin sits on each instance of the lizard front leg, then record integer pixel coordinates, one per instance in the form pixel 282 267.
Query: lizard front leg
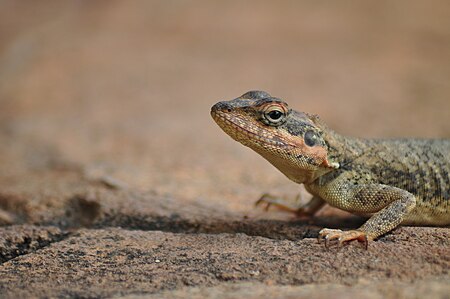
pixel 389 204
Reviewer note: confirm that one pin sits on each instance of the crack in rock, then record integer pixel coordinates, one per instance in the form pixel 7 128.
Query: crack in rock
pixel 19 240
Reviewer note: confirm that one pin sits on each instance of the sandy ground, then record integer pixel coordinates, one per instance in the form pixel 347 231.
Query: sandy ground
pixel 115 181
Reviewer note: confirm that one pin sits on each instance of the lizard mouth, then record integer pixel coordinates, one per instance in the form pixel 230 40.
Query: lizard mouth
pixel 248 134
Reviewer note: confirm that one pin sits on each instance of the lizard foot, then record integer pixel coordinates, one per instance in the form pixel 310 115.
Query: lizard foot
pixel 342 236
pixel 270 200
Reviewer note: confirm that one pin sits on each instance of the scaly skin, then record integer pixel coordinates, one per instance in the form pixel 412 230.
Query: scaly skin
pixel 394 181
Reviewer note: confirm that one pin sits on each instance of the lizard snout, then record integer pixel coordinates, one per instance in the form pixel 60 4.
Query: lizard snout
pixel 221 106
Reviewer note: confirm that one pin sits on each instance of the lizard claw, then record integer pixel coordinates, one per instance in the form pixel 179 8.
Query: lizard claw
pixel 342 236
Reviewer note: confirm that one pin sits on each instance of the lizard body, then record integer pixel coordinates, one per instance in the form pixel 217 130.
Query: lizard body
pixel 393 181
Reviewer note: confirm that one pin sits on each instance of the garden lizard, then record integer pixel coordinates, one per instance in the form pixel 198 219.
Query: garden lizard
pixel 391 181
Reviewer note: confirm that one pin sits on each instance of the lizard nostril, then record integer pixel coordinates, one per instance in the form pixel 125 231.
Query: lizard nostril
pixel 221 106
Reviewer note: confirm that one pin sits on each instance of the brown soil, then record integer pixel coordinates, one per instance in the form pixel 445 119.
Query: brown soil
pixel 115 182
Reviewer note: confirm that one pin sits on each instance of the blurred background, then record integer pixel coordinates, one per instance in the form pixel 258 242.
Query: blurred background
pixel 124 88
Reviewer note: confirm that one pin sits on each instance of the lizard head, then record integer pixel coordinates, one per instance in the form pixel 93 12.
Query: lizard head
pixel 292 141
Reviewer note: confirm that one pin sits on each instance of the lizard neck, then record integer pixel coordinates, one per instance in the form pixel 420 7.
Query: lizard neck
pixel 341 149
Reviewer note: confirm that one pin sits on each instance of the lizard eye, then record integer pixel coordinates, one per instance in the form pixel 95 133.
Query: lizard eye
pixel 310 138
pixel 274 114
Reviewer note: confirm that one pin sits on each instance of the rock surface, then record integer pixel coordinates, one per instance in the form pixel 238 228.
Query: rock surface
pixel 115 182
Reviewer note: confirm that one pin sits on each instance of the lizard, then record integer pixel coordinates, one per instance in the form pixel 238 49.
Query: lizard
pixel 391 181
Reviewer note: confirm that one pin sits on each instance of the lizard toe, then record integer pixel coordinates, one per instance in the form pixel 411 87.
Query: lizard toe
pixel 268 200
pixel 327 235
pixel 352 235
pixel 342 237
